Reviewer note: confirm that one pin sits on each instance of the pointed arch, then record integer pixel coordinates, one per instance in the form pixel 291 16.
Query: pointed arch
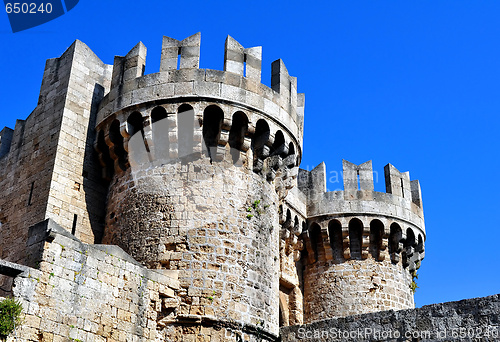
pixel 160 128
pixel 279 147
pixel 260 138
pixel 316 240
pixel 212 124
pixel 135 123
pixel 239 129
pixel 420 245
pixel 185 130
pixel 376 233
pixel 409 245
pixel 336 241
pixel 355 238
pixel 106 160
pixel 395 238
pixel 117 140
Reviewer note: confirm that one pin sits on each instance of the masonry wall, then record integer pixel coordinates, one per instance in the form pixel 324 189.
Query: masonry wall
pixel 26 170
pixel 44 163
pixel 467 320
pixel 86 292
pixel 353 287
pixel 77 192
pixel 194 218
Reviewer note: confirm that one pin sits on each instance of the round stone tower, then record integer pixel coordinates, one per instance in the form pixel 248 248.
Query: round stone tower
pixel 199 162
pixel 362 247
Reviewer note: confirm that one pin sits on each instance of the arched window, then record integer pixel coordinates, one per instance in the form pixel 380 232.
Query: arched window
pixel 410 238
pixel 212 122
pixel 160 128
pixel 291 149
pixel 288 221
pixel 297 229
pixel 355 237
pixel 279 147
pixel 316 240
pixel 106 161
pixel 135 123
pixel 420 246
pixel 260 138
pixel 394 240
pixel 335 232
pixel 185 130
pixel 117 140
pixel 376 233
pixel 409 244
pixel 237 134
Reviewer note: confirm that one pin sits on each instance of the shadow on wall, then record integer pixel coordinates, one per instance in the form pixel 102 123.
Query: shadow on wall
pixel 94 185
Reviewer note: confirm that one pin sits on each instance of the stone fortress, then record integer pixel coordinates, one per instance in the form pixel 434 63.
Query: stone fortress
pixel 171 207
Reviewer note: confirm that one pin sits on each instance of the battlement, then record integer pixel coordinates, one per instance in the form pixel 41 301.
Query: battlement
pixel 180 77
pixel 400 206
pixel 359 186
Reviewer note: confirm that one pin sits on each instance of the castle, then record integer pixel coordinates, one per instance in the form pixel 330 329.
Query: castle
pixel 171 207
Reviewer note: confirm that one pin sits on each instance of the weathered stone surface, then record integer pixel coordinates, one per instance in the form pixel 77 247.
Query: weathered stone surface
pixel 87 291
pixel 466 320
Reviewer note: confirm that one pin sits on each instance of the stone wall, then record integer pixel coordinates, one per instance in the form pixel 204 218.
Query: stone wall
pixel 467 320
pixel 195 218
pixel 47 168
pixel 77 193
pixel 354 287
pixel 86 292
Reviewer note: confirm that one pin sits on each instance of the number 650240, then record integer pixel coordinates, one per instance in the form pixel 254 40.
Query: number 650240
pixel 24 7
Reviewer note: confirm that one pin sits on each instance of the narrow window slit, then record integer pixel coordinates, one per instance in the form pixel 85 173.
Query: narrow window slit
pixel 179 58
pixel 359 182
pixel 245 65
pixel 30 198
pixel 402 188
pixel 75 220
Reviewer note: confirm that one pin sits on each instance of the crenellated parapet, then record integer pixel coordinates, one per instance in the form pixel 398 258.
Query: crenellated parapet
pixel 397 213
pixel 185 53
pixel 245 62
pixel 225 115
pixel 239 83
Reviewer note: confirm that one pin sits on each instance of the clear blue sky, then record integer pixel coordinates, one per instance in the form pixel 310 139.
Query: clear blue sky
pixel 413 83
